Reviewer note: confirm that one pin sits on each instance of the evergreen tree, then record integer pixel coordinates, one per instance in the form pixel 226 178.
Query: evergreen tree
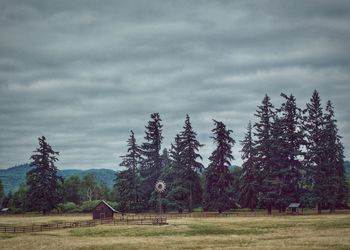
pixel 343 188
pixel 264 153
pixel 218 178
pixel 189 155
pixel 128 181
pixel 151 161
pixel 42 179
pixel 172 198
pixel 275 180
pixel 287 139
pixel 250 177
pixel 315 171
pixel 176 194
pixel 336 187
pixel 125 198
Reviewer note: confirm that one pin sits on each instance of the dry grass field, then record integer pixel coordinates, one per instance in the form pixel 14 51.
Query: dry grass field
pixel 278 232
pixel 28 219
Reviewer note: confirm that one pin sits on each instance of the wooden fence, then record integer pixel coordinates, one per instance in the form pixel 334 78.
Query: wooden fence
pixel 258 213
pixel 190 215
pixel 90 223
pixel 144 219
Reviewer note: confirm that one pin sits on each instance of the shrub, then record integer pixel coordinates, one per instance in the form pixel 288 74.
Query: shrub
pixel 198 209
pixel 69 207
pixel 15 210
pixel 76 210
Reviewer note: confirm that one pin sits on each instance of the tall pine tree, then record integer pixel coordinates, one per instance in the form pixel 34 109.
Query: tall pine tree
pixel 336 186
pixel 128 181
pixel 343 188
pixel 218 178
pixel 189 155
pixel 176 195
pixel 249 188
pixel 288 139
pixel 42 179
pixel 265 153
pixel 151 161
pixel 315 157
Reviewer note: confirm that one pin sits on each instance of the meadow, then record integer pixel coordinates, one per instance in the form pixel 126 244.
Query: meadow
pixel 274 232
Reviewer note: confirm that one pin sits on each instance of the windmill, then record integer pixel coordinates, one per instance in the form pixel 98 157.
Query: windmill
pixel 160 188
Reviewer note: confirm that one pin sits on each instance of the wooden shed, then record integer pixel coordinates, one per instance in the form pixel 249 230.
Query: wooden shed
pixel 103 211
pixel 4 210
pixel 293 208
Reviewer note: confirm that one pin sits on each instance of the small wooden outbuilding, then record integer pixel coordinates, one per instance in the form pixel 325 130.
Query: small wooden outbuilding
pixel 293 208
pixel 103 211
pixel 4 210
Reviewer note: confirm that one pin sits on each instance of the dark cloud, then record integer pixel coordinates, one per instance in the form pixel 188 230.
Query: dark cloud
pixel 84 73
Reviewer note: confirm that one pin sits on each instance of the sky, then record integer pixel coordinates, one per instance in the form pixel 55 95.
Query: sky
pixel 84 73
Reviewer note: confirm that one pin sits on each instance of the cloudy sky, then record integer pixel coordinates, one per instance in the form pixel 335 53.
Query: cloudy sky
pixel 84 73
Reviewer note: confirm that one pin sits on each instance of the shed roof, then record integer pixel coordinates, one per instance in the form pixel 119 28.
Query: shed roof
pixel 109 206
pixel 294 205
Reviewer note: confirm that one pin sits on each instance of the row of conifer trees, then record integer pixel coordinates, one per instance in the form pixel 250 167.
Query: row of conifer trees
pixel 290 155
pixel 294 155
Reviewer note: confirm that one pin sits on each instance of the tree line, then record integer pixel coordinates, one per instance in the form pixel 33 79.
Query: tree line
pixel 289 155
pixel 294 155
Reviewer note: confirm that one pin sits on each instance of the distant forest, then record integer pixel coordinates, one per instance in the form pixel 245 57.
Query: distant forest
pixel 290 155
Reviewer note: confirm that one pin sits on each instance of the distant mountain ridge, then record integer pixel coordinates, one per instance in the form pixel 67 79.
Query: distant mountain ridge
pixel 347 168
pixel 13 177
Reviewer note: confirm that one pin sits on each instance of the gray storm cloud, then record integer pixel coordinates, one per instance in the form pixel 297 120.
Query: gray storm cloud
pixel 84 73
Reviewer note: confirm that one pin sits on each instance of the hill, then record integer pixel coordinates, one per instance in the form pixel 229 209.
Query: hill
pixel 347 168
pixel 13 177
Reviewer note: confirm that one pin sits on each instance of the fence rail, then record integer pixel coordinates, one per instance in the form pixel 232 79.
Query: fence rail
pixel 259 213
pixel 188 215
pixel 90 223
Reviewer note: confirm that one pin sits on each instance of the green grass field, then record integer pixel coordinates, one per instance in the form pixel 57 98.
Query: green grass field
pixel 278 232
